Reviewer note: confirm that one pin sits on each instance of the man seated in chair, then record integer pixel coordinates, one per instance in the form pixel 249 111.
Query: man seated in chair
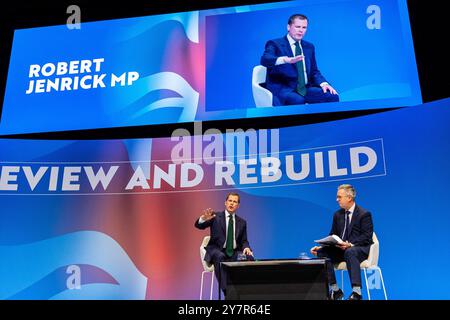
pixel 292 73
pixel 228 236
pixel 354 226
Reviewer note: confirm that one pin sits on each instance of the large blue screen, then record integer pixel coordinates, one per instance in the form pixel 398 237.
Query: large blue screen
pixel 363 57
pixel 197 66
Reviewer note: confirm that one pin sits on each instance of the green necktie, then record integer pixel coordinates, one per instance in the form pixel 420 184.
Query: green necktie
pixel 301 88
pixel 229 246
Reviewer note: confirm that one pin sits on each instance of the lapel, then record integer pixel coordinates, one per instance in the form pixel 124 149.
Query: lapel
pixel 341 223
pixel 223 222
pixel 287 47
pixel 237 226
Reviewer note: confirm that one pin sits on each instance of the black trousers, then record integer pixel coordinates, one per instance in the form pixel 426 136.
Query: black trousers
pixel 220 256
pixel 313 95
pixel 353 256
pixel 221 276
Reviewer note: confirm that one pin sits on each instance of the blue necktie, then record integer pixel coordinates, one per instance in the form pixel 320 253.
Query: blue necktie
pixel 301 85
pixel 346 227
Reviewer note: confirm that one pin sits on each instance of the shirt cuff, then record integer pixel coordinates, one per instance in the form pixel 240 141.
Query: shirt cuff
pixel 200 220
pixel 324 84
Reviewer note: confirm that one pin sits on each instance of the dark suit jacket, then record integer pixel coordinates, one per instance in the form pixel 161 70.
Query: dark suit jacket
pixel 218 234
pixel 361 227
pixel 282 79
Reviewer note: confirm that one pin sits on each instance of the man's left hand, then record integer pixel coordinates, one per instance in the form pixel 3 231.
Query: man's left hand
pixel 345 245
pixel 248 252
pixel 327 87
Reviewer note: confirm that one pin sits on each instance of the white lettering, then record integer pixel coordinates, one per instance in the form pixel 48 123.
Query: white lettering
pixel 69 176
pixel 138 180
pixel 354 159
pixel 224 171
pixel 184 177
pixel 100 176
pixel 7 176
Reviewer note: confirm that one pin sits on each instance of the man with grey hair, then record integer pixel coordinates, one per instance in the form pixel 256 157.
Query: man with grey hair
pixel 354 226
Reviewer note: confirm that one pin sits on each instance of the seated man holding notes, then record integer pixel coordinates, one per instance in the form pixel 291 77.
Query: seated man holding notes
pixel 349 240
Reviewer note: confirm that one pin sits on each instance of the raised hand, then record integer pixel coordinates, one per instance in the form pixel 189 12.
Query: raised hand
pixel 294 59
pixel 208 214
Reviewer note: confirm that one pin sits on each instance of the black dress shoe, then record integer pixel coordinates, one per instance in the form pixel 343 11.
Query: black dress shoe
pixel 336 295
pixel 355 296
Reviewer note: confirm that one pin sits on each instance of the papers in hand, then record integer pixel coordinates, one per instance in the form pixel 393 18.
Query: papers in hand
pixel 330 240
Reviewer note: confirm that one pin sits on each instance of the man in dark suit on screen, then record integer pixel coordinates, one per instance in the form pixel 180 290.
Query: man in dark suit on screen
pixel 292 73
pixel 354 226
pixel 228 236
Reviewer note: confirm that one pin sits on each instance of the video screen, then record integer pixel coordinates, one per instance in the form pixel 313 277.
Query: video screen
pixel 214 64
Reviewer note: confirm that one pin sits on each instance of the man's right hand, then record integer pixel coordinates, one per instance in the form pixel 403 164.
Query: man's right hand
pixel 294 59
pixel 207 214
pixel 315 249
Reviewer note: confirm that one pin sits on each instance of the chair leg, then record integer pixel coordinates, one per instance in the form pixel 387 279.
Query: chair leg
pixel 212 286
pixel 201 286
pixel 367 283
pixel 382 283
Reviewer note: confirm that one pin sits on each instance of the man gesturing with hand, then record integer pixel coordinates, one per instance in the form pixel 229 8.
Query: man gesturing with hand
pixel 228 236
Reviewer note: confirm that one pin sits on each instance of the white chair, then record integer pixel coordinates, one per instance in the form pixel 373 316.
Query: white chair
pixel 371 263
pixel 207 268
pixel 262 96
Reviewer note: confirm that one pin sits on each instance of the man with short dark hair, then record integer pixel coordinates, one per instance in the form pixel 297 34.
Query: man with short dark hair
pixel 292 73
pixel 228 236
pixel 354 226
